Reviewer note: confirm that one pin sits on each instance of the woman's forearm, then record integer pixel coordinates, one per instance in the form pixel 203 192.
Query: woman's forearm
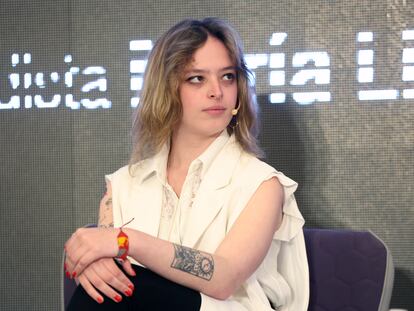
pixel 204 272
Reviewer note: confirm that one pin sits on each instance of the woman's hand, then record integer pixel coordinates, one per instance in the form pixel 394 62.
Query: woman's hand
pixel 105 277
pixel 87 245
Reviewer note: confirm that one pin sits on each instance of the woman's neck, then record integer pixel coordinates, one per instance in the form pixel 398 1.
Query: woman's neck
pixel 185 148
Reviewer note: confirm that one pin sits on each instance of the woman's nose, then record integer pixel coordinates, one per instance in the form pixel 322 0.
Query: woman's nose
pixel 215 91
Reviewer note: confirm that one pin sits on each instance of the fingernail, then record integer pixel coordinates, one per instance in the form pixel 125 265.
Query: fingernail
pixel 118 298
pixel 68 274
pixel 65 266
pixel 99 299
pixel 131 286
pixel 74 274
pixel 128 292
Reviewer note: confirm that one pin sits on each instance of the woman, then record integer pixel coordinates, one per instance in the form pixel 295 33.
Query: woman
pixel 214 227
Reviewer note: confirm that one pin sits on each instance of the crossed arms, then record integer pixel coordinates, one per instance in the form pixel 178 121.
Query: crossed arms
pixel 90 252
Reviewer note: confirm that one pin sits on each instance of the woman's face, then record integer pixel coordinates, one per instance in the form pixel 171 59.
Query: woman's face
pixel 208 91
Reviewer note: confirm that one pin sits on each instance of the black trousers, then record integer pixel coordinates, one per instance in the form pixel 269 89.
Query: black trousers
pixel 152 293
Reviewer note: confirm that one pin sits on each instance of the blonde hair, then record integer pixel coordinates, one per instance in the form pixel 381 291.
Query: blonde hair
pixel 159 109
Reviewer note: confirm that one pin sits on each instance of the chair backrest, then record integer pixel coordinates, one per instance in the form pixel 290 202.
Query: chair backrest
pixel 349 270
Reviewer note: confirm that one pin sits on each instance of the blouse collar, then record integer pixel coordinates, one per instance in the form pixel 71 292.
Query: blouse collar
pixel 158 163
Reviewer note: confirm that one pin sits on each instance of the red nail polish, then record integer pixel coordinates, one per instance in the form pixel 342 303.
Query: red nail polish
pixel 99 299
pixel 131 286
pixel 65 266
pixel 67 274
pixel 118 298
pixel 74 274
pixel 128 292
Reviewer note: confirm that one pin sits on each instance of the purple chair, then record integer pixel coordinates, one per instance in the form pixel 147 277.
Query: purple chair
pixel 349 271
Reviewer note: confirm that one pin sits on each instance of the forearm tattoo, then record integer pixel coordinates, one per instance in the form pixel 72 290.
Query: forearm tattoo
pixel 197 263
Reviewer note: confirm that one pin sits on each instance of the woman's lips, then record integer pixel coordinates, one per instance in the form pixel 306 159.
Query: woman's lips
pixel 215 110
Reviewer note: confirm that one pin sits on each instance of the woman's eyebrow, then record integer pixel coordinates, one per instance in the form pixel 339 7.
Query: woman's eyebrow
pixel 199 70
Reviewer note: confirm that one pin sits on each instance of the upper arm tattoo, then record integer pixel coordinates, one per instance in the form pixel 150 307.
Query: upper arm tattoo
pixel 190 260
pixel 105 212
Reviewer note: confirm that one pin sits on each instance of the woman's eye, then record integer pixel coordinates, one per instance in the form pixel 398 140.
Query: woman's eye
pixel 229 76
pixel 195 79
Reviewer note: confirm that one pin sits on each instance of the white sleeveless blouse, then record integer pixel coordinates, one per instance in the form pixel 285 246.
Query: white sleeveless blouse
pixel 217 188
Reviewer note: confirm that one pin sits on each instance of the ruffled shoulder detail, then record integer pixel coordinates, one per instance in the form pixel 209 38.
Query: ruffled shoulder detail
pixel 256 172
pixel 293 220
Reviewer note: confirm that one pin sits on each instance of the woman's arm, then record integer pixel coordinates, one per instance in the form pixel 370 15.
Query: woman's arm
pixel 237 257
pixel 104 275
pixel 217 275
pixel 105 208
